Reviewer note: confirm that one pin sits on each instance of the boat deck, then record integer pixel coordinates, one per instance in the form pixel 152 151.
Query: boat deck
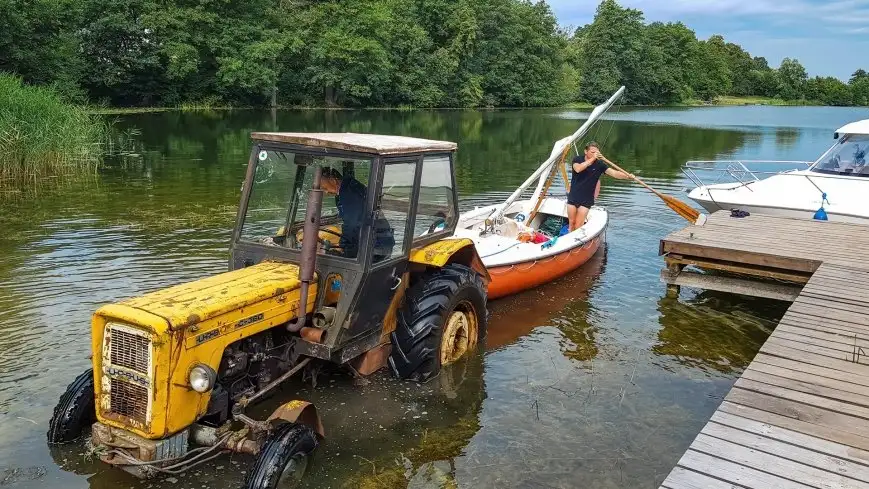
pixel 798 417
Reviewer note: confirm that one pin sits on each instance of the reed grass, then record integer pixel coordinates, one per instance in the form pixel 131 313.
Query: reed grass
pixel 43 137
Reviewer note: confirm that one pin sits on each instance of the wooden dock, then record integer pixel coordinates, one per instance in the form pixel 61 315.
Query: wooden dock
pixel 798 417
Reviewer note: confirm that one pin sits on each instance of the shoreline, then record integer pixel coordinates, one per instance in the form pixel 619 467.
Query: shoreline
pixel 720 102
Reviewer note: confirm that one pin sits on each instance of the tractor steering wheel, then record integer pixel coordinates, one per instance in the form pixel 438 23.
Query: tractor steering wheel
pixel 327 245
pixel 329 231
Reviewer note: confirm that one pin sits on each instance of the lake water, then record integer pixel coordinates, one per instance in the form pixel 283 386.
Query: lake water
pixel 596 380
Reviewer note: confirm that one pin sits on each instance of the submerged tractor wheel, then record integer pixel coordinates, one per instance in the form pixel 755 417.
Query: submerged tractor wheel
pixel 75 411
pixel 442 319
pixel 283 459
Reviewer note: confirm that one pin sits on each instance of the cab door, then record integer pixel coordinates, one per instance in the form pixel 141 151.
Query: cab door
pixel 389 240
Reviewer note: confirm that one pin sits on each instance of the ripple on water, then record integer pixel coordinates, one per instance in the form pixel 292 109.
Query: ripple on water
pixel 595 380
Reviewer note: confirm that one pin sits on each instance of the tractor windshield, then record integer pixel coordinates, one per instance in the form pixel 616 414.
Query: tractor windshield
pixel 279 196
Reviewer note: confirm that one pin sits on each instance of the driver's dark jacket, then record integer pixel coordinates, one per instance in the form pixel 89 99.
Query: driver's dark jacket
pixel 350 202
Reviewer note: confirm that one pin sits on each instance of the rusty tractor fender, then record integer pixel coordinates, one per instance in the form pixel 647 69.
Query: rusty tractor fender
pixel 297 411
pixel 448 250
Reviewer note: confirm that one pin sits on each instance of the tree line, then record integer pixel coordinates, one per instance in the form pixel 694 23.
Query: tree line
pixel 422 53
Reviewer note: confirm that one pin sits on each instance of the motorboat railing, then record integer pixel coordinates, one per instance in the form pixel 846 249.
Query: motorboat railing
pixel 739 172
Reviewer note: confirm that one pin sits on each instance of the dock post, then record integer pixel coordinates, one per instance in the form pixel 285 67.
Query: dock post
pixel 672 272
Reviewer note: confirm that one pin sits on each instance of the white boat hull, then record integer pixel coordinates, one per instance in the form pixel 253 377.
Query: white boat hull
pixel 514 265
pixel 792 194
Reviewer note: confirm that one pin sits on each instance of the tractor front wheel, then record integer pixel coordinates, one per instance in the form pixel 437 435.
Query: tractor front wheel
pixel 442 319
pixel 75 411
pixel 283 459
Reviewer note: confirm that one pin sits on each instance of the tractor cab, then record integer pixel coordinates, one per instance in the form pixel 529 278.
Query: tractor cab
pixel 367 202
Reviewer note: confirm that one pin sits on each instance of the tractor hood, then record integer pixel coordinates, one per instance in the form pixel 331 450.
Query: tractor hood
pixel 194 302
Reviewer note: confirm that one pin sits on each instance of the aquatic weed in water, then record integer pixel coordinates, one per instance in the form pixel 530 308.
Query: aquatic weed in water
pixel 41 136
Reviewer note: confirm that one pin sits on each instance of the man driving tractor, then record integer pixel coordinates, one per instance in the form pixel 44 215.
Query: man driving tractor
pixel 350 197
pixel 350 200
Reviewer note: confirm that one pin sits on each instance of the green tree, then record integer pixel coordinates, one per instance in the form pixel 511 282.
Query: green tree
pixel 828 91
pixel 464 53
pixel 37 43
pixel 520 53
pixel 616 50
pixel 124 65
pixel 792 79
pixel 764 82
pixel 740 63
pixel 680 51
pixel 712 76
pixel 859 85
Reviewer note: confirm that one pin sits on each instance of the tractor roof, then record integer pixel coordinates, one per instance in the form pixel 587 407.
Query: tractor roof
pixel 364 143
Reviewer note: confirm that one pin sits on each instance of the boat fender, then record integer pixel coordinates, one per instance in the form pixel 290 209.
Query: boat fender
pixel 821 214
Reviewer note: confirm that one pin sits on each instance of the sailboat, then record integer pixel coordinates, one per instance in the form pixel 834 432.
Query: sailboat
pixel 523 242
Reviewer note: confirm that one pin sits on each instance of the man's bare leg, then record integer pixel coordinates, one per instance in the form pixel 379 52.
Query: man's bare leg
pixel 571 217
pixel 581 214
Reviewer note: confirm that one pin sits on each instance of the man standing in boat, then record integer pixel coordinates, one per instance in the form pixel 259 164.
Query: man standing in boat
pixel 584 183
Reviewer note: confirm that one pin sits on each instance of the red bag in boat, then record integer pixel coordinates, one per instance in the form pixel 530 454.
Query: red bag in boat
pixel 540 238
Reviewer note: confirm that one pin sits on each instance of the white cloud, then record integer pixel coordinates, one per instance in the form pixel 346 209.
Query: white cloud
pixel 810 30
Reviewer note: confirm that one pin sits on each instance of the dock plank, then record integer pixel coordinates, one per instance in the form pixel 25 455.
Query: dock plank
pixel 791 437
pixel 826 398
pixel 848 440
pixel 807 357
pixel 735 473
pixel 830 336
pixel 798 416
pixel 682 478
pixel 777 458
pixel 860 393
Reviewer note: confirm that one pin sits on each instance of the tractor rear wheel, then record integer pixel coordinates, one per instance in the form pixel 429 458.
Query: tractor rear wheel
pixel 75 411
pixel 442 319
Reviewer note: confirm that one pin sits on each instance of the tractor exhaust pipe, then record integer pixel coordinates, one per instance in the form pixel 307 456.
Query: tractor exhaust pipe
pixel 308 264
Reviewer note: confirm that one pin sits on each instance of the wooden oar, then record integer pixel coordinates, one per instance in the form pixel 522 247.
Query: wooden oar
pixel 686 211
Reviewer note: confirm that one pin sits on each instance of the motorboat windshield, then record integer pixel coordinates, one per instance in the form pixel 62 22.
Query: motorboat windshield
pixel 847 157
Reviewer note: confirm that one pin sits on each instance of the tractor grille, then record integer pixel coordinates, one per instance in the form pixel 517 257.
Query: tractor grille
pixel 127 365
pixel 130 350
pixel 129 400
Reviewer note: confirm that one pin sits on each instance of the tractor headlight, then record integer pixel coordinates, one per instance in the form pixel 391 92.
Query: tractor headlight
pixel 202 378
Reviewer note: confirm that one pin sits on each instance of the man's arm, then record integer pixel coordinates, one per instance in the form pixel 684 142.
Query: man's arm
pixel 620 175
pixel 579 167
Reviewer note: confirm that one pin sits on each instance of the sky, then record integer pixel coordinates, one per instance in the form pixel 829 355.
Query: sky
pixel 830 38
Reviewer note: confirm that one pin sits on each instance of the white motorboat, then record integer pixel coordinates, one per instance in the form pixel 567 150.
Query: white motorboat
pixel 838 181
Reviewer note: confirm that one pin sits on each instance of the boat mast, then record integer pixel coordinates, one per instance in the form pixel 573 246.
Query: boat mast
pixel 543 171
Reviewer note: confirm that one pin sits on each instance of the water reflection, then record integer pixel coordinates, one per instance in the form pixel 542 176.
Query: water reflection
pixel 786 137
pixel 517 316
pixel 592 381
pixel 726 345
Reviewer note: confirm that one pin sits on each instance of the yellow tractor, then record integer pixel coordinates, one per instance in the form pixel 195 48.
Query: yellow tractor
pixel 342 252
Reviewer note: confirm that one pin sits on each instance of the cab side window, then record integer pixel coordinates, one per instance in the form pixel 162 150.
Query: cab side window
pixel 391 216
pixel 434 211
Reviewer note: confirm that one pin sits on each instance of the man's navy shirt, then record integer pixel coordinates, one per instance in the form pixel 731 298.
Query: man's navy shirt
pixel 582 184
